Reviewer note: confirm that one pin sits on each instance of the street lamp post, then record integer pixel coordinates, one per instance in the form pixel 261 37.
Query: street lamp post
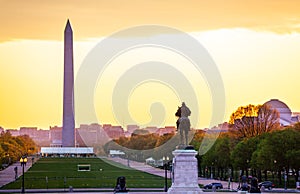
pixel 229 178
pixel 285 179
pixel 165 161
pixel 274 171
pixel 247 174
pixel 211 171
pixel 23 161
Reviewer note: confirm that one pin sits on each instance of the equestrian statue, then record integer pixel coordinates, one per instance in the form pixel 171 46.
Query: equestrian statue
pixel 183 123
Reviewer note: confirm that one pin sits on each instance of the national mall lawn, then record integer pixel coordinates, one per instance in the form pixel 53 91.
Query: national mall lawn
pixel 63 172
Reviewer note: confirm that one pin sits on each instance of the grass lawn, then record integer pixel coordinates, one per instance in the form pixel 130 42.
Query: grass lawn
pixel 62 173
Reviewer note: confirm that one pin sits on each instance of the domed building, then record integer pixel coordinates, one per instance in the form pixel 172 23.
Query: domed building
pixel 286 117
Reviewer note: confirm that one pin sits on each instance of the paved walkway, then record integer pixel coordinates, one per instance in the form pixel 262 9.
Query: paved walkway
pixel 140 166
pixel 8 175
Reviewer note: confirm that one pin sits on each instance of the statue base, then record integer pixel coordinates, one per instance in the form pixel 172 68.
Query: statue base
pixel 185 147
pixel 185 172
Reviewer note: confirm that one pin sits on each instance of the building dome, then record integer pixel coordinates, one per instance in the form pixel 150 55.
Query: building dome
pixel 281 107
pixel 285 112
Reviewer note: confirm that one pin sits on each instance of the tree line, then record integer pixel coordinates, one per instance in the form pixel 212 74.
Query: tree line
pixel 255 145
pixel 142 145
pixel 276 152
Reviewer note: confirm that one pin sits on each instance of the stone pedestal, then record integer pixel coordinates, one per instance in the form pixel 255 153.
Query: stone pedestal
pixel 185 173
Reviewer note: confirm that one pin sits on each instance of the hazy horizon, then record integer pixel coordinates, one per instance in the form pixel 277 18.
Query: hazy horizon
pixel 254 44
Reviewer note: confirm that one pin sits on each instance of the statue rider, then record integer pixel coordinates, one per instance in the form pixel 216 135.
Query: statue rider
pixel 183 123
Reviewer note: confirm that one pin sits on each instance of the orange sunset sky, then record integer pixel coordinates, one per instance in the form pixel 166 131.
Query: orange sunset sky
pixel 255 45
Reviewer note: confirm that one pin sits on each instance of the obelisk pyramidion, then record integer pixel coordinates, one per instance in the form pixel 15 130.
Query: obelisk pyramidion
pixel 68 136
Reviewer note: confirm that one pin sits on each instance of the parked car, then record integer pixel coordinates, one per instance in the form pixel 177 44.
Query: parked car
pixel 211 185
pixel 267 184
pixel 298 185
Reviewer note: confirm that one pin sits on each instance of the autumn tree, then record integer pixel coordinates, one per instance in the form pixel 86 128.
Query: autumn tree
pixel 297 126
pixel 267 119
pixel 28 145
pixel 197 139
pixel 251 120
pixel 164 139
pixel 12 148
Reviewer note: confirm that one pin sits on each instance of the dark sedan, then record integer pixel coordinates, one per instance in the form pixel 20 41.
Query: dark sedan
pixel 267 184
pixel 211 185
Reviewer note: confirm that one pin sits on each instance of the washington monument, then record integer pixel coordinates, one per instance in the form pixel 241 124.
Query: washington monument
pixel 68 136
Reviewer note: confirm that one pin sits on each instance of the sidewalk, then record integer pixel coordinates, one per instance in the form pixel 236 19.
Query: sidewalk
pixel 8 175
pixel 140 166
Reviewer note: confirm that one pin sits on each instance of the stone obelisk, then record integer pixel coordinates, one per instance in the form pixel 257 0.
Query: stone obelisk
pixel 68 136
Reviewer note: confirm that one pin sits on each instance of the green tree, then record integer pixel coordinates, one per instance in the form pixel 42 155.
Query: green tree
pixel 241 156
pixel 208 160
pixel 279 151
pixel 218 157
pixel 142 145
